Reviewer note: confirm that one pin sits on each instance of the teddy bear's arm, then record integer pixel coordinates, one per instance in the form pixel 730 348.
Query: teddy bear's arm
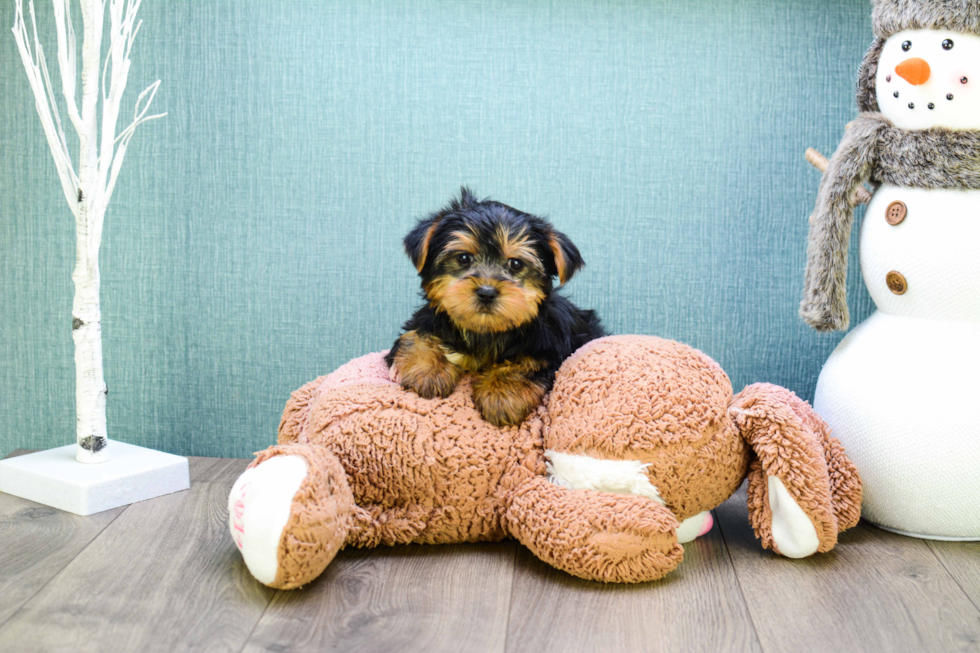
pixel 595 535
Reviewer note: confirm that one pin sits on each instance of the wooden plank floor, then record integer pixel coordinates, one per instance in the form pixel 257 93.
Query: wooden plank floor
pixel 164 575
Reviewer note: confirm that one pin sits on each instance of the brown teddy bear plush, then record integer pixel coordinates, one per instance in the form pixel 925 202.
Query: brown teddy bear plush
pixel 639 439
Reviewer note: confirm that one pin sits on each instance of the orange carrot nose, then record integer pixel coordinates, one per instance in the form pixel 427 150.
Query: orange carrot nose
pixel 915 71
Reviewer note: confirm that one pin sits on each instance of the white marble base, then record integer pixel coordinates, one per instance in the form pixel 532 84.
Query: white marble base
pixel 56 479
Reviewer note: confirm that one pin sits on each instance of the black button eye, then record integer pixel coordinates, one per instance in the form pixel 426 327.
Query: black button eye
pixel 907 46
pixel 464 259
pixel 515 264
pixel 948 44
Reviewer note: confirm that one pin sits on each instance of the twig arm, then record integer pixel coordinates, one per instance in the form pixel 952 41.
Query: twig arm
pixel 861 196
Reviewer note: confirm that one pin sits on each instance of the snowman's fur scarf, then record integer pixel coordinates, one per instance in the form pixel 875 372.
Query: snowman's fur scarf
pixel 891 16
pixel 874 150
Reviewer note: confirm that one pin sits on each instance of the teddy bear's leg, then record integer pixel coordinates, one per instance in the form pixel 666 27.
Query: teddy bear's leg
pixel 616 538
pixel 793 505
pixel 289 514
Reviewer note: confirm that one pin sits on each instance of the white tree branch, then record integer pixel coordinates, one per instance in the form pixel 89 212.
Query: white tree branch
pixel 37 76
pixel 67 58
pixel 139 117
pixel 123 30
pixel 93 12
pixel 52 102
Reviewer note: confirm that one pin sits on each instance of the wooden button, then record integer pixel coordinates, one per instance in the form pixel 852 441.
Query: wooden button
pixel 896 212
pixel 896 282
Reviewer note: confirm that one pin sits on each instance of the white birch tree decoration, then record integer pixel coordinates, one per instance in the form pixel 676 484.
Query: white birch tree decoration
pixel 87 188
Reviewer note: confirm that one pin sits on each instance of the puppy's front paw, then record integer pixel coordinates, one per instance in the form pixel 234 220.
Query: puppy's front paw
pixel 421 366
pixel 504 399
pixel 432 383
pixel 394 375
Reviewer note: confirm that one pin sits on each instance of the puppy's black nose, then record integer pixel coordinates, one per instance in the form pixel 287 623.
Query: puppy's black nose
pixel 486 294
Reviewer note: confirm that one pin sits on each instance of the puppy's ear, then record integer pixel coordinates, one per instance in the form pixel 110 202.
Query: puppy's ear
pixel 565 255
pixel 418 240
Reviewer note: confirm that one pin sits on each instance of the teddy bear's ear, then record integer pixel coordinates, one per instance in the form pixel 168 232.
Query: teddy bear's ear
pixel 566 259
pixel 418 240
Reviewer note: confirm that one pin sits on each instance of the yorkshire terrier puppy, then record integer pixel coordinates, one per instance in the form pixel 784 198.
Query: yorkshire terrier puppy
pixel 491 309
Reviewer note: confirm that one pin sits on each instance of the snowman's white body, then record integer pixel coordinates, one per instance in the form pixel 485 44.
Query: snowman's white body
pixel 902 390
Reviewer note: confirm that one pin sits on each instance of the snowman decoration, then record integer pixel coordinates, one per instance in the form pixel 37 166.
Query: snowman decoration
pixel 902 390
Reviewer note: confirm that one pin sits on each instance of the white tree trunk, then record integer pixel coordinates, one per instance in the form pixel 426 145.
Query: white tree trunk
pixel 90 387
pixel 89 192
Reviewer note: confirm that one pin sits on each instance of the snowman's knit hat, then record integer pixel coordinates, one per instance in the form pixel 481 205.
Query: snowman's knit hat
pixel 891 16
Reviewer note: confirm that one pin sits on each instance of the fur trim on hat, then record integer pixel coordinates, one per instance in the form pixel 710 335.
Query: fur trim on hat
pixel 867 92
pixel 891 16
pixel 874 150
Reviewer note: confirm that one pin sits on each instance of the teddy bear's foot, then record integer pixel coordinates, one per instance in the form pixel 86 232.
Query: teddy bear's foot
pixel 802 488
pixel 258 508
pixel 289 514
pixel 694 527
pixel 579 472
pixel 614 538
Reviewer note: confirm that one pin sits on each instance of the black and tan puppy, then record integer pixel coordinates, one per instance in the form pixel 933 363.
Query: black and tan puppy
pixel 491 309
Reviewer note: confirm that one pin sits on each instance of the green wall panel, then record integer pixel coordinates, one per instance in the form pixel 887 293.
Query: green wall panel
pixel 253 242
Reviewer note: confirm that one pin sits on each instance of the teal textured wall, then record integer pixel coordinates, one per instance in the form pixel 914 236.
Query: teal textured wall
pixel 254 239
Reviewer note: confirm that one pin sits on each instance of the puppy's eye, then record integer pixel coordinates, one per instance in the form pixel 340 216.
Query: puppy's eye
pixel 515 264
pixel 907 46
pixel 948 44
pixel 464 259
